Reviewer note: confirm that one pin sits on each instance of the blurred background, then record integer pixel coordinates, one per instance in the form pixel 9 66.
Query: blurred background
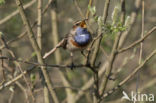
pixel 62 14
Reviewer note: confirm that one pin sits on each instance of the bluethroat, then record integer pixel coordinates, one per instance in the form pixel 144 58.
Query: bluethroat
pixel 78 39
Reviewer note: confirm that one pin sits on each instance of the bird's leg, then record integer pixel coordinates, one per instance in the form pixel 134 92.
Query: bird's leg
pixel 82 52
pixel 72 63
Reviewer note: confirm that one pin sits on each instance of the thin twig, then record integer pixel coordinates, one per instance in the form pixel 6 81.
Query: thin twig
pixel 2 69
pixel 53 49
pixel 7 18
pixel 132 21
pixel 130 75
pixel 138 41
pixel 46 65
pixel 96 50
pixel 32 26
pixel 13 80
pixel 39 41
pixel 126 60
pixel 18 65
pixel 82 16
pixel 88 12
pixel 37 50
pixel 23 89
pixel 97 43
pixel 39 24
pixel 79 9
pixel 57 54
pixel 16 82
pixel 113 53
pixel 105 11
pixel 11 97
pixel 90 82
pixel 141 47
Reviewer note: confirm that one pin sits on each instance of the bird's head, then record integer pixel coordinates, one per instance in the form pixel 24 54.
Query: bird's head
pixel 81 24
pixel 82 35
pixel 80 27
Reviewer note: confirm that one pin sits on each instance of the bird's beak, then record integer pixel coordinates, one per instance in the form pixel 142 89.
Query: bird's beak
pixel 83 23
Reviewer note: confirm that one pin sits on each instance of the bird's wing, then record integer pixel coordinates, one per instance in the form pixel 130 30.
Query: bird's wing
pixel 66 38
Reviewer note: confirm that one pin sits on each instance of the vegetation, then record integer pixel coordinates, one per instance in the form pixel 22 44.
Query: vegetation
pixel 34 68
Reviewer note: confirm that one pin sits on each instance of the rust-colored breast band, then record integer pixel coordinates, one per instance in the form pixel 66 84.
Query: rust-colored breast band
pixel 77 45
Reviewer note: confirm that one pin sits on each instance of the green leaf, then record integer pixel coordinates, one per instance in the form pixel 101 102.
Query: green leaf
pixel 96 18
pixel 11 88
pixel 1 34
pixel 127 21
pixel 33 54
pixel 32 77
pixel 115 15
pixel 92 9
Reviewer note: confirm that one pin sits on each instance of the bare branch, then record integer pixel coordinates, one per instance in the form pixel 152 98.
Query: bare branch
pixel 138 41
pixel 133 17
pixel 32 26
pixel 58 57
pixel 88 12
pixel 113 53
pixel 53 49
pixel 37 50
pixel 79 9
pixel 17 65
pixel 141 46
pixel 13 80
pixel 130 75
pixel 5 19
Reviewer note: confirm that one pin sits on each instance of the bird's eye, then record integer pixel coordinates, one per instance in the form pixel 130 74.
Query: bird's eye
pixel 77 24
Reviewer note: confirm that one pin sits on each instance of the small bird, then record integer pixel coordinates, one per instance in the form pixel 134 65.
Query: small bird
pixel 78 39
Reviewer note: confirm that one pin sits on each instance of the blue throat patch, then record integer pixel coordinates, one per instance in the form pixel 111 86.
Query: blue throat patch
pixel 82 36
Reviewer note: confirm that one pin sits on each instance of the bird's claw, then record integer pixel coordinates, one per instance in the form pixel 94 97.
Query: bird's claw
pixel 72 66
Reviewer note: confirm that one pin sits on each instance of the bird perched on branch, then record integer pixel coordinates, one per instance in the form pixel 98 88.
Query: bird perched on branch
pixel 78 39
